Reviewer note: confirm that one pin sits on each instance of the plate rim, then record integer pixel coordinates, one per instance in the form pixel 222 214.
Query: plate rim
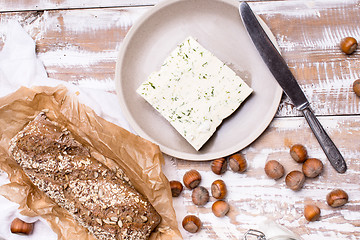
pixel 139 131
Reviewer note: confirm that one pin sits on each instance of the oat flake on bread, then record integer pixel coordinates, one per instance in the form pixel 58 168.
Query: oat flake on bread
pixel 100 199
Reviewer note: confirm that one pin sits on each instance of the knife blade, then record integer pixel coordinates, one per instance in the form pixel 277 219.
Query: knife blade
pixel 287 81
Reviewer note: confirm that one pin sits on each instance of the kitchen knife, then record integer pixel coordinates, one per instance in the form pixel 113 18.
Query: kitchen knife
pixel 287 81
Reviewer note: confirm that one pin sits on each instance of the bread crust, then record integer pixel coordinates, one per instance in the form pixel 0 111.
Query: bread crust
pixel 102 200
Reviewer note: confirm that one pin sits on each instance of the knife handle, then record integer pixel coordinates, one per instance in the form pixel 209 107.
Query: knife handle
pixel 331 151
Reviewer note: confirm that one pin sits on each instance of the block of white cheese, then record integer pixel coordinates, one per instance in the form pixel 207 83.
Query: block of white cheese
pixel 194 91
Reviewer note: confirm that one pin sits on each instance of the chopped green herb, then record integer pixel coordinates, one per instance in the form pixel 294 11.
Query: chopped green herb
pixel 152 85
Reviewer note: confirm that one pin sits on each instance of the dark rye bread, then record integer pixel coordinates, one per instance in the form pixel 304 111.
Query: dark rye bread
pixel 100 199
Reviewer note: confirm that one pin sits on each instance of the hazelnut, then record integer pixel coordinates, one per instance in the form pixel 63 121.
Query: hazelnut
pixel 219 166
pixel 218 189
pixel 295 180
pixel 274 169
pixel 312 167
pixel 311 212
pixel 237 163
pixel 192 179
pixel 200 196
pixel 176 188
pixel 348 45
pixel 356 87
pixel 191 223
pixel 19 226
pixel 337 198
pixel 220 208
pixel 298 153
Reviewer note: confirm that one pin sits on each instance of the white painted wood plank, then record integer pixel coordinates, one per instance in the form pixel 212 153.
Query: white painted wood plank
pixel 81 46
pixel 38 5
pixel 253 196
pixel 309 33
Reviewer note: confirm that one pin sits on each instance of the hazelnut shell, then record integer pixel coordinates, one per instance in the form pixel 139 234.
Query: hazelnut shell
pixel 348 45
pixel 219 166
pixel 218 189
pixel 19 226
pixel 191 223
pixel 274 169
pixel 337 198
pixel 192 179
pixel 295 180
pixel 356 87
pixel 176 188
pixel 299 153
pixel 311 212
pixel 312 167
pixel 237 163
pixel 200 196
pixel 220 208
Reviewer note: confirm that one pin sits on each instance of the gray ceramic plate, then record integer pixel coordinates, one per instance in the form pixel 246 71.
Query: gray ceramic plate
pixel 217 25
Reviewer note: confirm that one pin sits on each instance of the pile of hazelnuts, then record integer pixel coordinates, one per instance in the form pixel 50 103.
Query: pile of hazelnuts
pixel 200 195
pixel 311 168
pixel 349 45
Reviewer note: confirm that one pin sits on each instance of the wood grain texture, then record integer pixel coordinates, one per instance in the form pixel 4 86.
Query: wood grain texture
pixel 309 33
pixel 81 46
pixel 39 5
pixel 78 42
pixel 78 46
pixel 252 195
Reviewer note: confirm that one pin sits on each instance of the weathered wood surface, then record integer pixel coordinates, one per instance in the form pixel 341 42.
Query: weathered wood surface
pixel 26 5
pixel 81 46
pixel 78 41
pixel 253 195
pixel 309 33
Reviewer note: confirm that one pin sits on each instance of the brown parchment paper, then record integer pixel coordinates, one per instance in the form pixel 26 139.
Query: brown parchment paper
pixel 110 144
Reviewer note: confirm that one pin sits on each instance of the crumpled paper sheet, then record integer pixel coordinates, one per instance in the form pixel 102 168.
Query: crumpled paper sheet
pixel 110 144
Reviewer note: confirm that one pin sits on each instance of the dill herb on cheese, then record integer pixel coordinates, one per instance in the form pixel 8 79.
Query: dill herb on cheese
pixel 194 91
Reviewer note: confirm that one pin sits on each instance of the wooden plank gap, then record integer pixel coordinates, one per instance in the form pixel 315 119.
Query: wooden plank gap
pixel 76 8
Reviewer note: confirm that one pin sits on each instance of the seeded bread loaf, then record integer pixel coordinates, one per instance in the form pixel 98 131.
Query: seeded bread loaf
pixel 100 199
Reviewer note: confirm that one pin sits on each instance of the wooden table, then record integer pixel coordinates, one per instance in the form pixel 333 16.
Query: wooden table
pixel 78 42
